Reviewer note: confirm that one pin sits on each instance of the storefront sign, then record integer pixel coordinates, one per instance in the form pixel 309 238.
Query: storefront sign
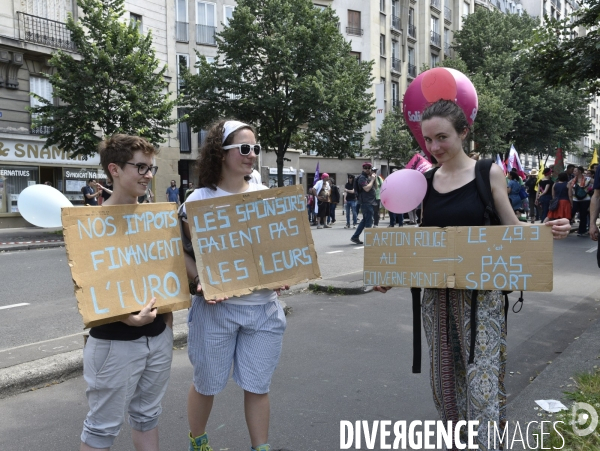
pixel 32 151
pixel 85 174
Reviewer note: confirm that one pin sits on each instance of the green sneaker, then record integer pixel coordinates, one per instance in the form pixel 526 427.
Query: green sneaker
pixel 265 447
pixel 199 443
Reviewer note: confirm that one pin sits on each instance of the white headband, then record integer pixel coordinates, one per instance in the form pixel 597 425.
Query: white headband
pixel 230 126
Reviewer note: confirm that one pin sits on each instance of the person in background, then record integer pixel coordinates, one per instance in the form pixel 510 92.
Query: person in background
pixel 513 188
pixel 377 188
pixel 366 197
pixel 580 185
pixel 531 185
pixel 106 190
pixel 570 171
pixel 173 193
pixel 91 193
pixel 563 191
pixel 322 193
pixel 190 190
pixel 544 193
pixel 334 199
pixel 350 199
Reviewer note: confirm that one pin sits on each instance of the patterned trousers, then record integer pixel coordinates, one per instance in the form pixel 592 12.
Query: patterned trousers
pixel 463 391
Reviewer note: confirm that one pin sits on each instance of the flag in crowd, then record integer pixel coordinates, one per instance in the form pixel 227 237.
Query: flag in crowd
pixel 317 175
pixel 515 162
pixel 594 158
pixel 500 163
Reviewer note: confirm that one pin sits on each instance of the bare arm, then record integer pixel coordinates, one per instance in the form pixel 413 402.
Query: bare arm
pixel 501 202
pixel 594 210
pixel 369 185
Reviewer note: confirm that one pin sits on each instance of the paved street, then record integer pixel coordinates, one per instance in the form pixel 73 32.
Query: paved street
pixel 344 358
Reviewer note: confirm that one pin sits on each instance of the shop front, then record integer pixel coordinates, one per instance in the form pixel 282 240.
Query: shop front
pixel 289 177
pixel 24 162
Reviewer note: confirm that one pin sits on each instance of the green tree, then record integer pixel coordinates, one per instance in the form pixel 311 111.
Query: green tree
pixel 394 142
pixel 562 57
pixel 519 108
pixel 284 66
pixel 115 87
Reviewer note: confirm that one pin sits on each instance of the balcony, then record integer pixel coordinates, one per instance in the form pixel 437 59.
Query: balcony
pixel 436 4
pixel 181 32
pixel 412 70
pixel 44 31
pixel 412 31
pixel 436 40
pixel 354 31
pixel 447 14
pixel 43 130
pixel 206 35
pixel 396 24
pixel 396 64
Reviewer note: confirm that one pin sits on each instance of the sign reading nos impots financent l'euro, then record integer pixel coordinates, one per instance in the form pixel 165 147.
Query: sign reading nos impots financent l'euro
pixel 122 256
pixel 507 258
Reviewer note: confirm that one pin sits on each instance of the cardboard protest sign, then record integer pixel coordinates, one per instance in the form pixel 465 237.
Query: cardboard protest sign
pixel 122 256
pixel 505 258
pixel 246 242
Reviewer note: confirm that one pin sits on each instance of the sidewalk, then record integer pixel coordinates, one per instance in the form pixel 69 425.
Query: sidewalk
pixel 27 238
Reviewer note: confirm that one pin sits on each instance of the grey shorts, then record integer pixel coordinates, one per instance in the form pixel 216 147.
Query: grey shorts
pixel 124 376
pixel 249 337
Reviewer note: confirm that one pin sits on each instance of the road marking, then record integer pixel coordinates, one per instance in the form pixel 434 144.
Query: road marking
pixel 593 249
pixel 334 252
pixel 359 247
pixel 79 334
pixel 13 305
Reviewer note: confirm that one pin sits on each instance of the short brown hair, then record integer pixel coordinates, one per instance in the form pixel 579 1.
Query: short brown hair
pixel 212 154
pixel 120 148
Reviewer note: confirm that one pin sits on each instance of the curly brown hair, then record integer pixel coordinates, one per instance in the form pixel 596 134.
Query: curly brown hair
pixel 120 148
pixel 210 160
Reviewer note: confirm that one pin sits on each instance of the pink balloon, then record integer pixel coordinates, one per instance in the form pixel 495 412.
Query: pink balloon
pixel 403 191
pixel 437 84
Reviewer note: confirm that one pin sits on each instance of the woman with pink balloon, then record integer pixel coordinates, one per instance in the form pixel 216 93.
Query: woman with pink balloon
pixel 467 378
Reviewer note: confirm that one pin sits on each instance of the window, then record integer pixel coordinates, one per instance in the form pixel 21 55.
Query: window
pixel 395 8
pixel 395 95
pixel 396 56
pixel 227 14
pixel 435 60
pixel 136 19
pixel 382 6
pixel 320 7
pixel 355 55
pixel 382 45
pixel 206 21
pixel 42 87
pixel 184 134
pixel 435 24
pixel 466 9
pixel 412 30
pixel 183 62
pixel 354 27
pixel 436 39
pixel 181 24
pixel 13 180
pixel 382 81
pixel 412 67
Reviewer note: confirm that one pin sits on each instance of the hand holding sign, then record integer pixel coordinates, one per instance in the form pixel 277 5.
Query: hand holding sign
pixel 431 86
pixel 41 204
pixel 403 191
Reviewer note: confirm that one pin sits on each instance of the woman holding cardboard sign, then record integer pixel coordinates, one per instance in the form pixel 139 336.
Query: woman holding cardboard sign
pixel 467 377
pixel 245 332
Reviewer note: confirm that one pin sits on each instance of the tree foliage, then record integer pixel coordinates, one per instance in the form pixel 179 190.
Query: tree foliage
pixel 115 87
pixel 283 66
pixel 393 142
pixel 563 57
pixel 515 106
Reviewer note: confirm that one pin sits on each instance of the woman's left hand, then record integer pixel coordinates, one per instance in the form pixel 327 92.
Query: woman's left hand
pixel 280 289
pixel 560 228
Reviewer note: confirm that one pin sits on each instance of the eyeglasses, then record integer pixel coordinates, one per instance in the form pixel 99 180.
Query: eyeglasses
pixel 143 168
pixel 245 148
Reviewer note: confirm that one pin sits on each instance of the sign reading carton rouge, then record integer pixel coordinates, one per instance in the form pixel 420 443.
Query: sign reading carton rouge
pixel 245 242
pixel 122 256
pixel 504 258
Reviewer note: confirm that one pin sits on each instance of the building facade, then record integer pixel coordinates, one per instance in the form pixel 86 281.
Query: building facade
pixel 30 31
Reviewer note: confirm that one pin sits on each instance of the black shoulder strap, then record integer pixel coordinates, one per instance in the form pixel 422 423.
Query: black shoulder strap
pixel 429 177
pixel 484 189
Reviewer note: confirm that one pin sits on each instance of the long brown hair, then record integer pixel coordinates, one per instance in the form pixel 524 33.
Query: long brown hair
pixel 210 160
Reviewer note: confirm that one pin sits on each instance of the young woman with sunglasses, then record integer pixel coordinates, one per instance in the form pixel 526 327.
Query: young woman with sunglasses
pixel 245 332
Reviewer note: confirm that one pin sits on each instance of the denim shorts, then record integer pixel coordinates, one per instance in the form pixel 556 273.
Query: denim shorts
pixel 247 337
pixel 124 376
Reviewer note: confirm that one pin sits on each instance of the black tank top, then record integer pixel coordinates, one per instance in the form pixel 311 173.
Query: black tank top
pixel 461 207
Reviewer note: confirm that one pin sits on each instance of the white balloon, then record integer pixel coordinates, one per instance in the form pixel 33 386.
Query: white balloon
pixel 40 205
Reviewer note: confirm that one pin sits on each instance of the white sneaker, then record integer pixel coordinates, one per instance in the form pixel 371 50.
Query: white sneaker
pixel 319 227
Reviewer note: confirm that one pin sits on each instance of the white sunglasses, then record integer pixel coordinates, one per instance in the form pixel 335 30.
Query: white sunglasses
pixel 245 148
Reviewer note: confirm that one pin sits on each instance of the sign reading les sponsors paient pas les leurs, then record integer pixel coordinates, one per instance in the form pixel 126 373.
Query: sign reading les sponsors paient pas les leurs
pixel 122 256
pixel 246 242
pixel 505 258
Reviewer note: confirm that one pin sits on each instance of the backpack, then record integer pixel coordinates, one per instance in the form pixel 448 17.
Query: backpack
pixel 490 217
pixel 357 188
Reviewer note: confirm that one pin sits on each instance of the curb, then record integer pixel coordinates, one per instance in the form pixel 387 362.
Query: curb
pixel 336 287
pixel 30 246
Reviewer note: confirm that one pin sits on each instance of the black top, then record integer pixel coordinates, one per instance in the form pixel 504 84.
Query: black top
pixel 561 190
pixel 89 190
pixel 350 196
pixel 530 184
pixel 461 207
pixel 366 197
pixel 122 332
pixel 104 194
pixel 542 186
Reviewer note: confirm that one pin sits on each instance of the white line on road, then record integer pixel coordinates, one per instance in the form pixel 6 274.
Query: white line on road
pixel 593 249
pixel 359 247
pixel 334 252
pixel 13 305
pixel 79 334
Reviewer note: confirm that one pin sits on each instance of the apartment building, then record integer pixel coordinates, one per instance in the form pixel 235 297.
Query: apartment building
pixel 30 31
